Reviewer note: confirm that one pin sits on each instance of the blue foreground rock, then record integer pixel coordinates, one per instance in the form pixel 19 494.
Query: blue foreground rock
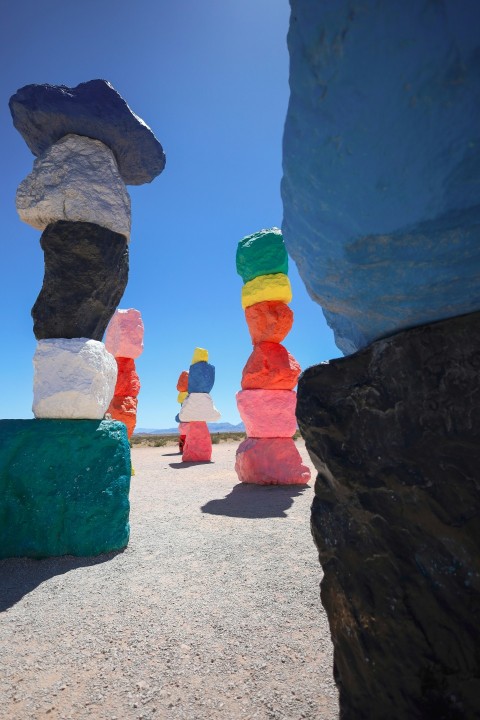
pixel 64 487
pixel 43 114
pixel 381 162
pixel 201 377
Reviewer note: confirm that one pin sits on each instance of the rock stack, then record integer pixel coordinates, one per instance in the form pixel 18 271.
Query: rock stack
pixel 267 400
pixel 182 387
pixel 71 495
pixel 198 409
pixel 124 340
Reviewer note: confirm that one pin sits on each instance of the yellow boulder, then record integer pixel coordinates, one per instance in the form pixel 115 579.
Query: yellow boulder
pixel 200 355
pixel 181 397
pixel 266 287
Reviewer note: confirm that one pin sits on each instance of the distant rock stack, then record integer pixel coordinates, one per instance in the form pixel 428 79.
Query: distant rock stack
pixel 198 409
pixel 182 387
pixel 267 400
pixel 88 145
pixel 124 340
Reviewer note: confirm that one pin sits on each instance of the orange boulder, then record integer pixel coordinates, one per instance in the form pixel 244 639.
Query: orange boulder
pixel 182 384
pixel 269 321
pixel 124 409
pixel 270 367
pixel 128 382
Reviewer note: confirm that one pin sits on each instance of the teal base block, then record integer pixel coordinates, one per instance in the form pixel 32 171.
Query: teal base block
pixel 64 487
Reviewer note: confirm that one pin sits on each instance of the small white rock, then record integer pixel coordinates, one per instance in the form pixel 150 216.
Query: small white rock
pixel 198 406
pixel 73 378
pixel 76 179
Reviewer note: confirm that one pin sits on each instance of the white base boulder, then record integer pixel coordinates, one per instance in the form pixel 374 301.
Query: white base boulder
pixel 198 406
pixel 76 179
pixel 73 379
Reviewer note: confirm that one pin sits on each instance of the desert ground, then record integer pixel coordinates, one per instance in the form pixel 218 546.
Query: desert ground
pixel 212 611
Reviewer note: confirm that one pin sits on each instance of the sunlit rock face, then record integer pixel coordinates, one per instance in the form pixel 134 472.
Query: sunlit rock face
pixel 382 162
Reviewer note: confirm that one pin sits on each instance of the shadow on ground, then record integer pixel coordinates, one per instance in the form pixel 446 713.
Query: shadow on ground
pixel 19 576
pixel 180 465
pixel 255 501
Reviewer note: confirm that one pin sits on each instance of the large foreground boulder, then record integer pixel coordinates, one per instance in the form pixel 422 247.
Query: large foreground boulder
pixel 64 487
pixel 394 432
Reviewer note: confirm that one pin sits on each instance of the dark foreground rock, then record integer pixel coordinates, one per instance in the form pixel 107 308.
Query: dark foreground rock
pixel 86 272
pixel 394 432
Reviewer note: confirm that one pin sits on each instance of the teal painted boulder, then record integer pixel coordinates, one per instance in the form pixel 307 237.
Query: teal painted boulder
pixel 64 487
pixel 262 253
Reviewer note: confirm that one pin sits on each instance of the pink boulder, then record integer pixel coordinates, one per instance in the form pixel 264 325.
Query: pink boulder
pixel 270 461
pixel 268 413
pixel 198 443
pixel 128 382
pixel 124 336
pixel 270 366
pixel 124 409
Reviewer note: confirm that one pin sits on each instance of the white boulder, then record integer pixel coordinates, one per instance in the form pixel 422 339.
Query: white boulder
pixel 73 379
pixel 198 406
pixel 76 179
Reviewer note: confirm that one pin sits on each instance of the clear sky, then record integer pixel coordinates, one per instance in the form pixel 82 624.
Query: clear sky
pixel 210 78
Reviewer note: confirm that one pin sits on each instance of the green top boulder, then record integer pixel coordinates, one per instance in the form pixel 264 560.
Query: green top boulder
pixel 262 253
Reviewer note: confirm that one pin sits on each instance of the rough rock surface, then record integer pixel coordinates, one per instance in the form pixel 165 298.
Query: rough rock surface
pixel 201 377
pixel 124 336
pixel 76 179
pixel 381 162
pixel 128 382
pixel 124 409
pixel 262 253
pixel 63 487
pixel 394 432
pixel 181 397
pixel 199 355
pixel 268 413
pixel 270 366
pixel 266 287
pixel 182 383
pixel 198 443
pixel 86 272
pixel 268 321
pixel 198 406
pixel 72 379
pixel 270 461
pixel 43 114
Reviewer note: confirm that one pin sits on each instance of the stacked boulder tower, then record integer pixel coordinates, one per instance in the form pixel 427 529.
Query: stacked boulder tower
pixel 65 476
pixel 124 340
pixel 267 400
pixel 182 387
pixel 198 409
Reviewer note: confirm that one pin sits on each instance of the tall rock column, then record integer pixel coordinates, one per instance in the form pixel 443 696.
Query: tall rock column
pixel 198 409
pixel 70 496
pixel 267 400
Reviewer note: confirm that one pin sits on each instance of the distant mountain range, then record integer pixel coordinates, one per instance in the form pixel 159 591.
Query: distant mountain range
pixel 213 427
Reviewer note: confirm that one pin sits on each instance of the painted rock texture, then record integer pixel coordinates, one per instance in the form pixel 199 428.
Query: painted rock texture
pixel 262 253
pixel 124 409
pixel 201 377
pixel 394 432
pixel 268 413
pixel 266 287
pixel 76 179
pixel 63 487
pixel 73 378
pixel 45 113
pixel 181 397
pixel 128 382
pixel 381 163
pixel 199 355
pixel 198 406
pixel 268 321
pixel 86 272
pixel 198 443
pixel 270 461
pixel 124 337
pixel 182 383
pixel 270 366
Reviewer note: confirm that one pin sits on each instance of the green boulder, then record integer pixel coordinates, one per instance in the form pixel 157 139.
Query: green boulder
pixel 262 253
pixel 64 487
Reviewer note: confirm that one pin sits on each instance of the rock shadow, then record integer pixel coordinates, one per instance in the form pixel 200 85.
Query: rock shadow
pixel 255 501
pixel 19 576
pixel 180 465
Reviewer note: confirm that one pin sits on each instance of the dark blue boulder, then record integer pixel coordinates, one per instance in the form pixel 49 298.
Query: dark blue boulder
pixel 45 113
pixel 381 162
pixel 177 418
pixel 201 377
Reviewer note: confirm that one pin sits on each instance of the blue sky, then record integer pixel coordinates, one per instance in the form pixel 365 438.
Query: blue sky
pixel 211 80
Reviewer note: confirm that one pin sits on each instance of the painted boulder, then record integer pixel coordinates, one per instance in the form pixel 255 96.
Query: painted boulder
pixel 198 406
pixel 268 413
pixel 198 443
pixel 182 383
pixel 124 336
pixel 266 287
pixel 181 397
pixel 128 382
pixel 262 253
pixel 269 321
pixel 201 378
pixel 270 366
pixel 199 355
pixel 270 461
pixel 124 409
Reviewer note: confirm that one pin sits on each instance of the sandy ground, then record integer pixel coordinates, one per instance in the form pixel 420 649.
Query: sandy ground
pixel 212 611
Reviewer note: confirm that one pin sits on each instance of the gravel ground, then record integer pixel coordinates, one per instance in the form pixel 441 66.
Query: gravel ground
pixel 212 611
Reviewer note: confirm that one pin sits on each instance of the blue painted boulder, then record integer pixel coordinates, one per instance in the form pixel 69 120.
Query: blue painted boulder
pixel 201 377
pixel 45 113
pixel 381 162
